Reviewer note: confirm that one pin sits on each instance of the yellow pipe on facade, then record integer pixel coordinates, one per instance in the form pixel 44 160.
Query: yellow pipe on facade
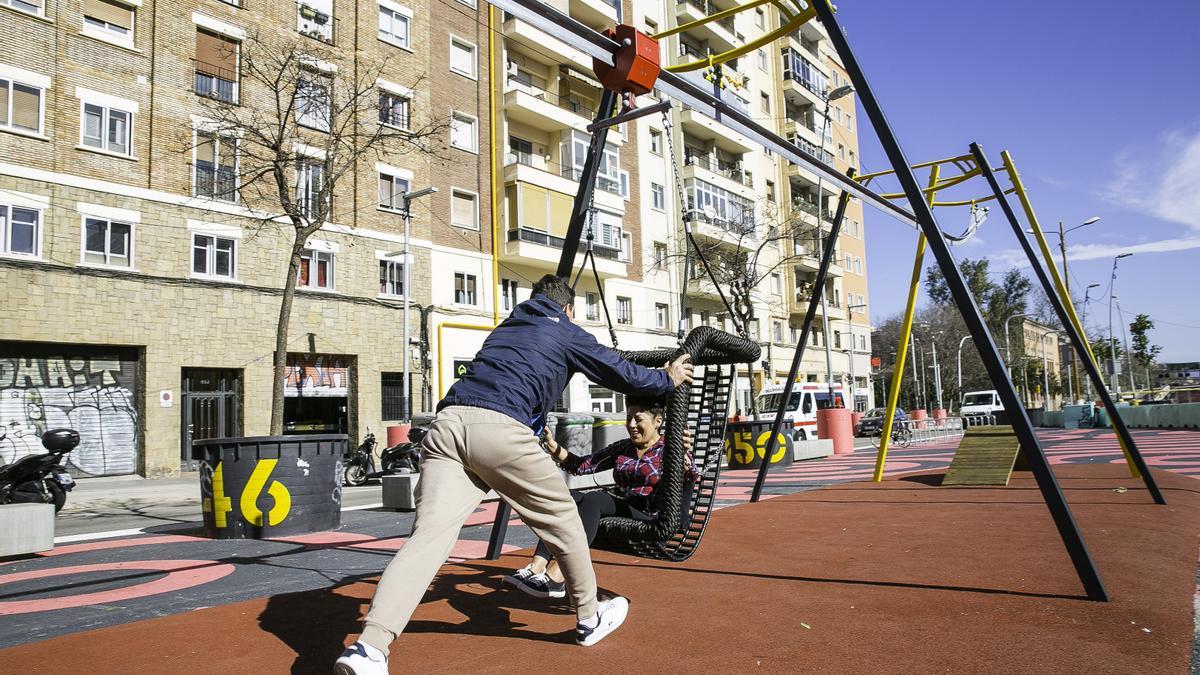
pixel 1061 288
pixel 902 348
pixel 497 193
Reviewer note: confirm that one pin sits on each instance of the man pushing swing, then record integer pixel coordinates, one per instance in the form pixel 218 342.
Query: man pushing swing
pixel 486 436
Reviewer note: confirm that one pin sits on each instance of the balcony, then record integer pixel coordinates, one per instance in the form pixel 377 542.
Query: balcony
pixel 543 110
pixel 727 174
pixel 314 23
pixel 720 35
pixel 598 14
pixel 539 42
pixel 543 250
pixel 534 169
pixel 699 125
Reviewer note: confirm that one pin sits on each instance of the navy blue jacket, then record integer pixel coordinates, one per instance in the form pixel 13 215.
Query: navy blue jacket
pixel 527 360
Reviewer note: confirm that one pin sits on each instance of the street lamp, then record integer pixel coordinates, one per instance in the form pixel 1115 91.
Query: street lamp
pixel 937 372
pixel 960 346
pixel 918 398
pixel 406 200
pixel 1112 349
pixel 841 91
pixel 1087 381
pixel 1045 371
pixel 850 353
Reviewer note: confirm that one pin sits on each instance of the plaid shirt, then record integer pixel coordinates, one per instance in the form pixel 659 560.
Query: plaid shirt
pixel 636 476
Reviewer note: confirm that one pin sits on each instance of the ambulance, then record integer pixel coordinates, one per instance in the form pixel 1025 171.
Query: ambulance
pixel 806 399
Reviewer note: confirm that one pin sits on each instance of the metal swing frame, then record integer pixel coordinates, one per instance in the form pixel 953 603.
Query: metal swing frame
pixel 920 217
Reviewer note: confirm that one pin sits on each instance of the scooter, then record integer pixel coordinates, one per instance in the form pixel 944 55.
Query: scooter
pixel 360 463
pixel 41 479
pixel 403 457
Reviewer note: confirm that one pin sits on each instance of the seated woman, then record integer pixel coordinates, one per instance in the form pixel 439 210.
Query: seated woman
pixel 637 465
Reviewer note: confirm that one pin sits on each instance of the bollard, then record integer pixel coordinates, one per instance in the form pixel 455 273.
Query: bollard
pixel 834 423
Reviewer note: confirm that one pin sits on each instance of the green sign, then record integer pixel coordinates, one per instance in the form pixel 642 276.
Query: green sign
pixel 460 368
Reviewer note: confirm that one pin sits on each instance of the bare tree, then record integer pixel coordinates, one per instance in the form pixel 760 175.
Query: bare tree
pixel 743 253
pixel 302 118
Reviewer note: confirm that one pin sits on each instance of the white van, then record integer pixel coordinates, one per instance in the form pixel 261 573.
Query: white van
pixel 801 411
pixel 981 403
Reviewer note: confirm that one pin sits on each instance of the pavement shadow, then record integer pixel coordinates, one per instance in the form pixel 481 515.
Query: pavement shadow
pixel 313 624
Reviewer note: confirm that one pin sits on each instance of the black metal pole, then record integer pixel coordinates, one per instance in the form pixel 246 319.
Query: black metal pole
pixel 1077 340
pixel 499 530
pixel 814 301
pixel 587 184
pixel 1061 512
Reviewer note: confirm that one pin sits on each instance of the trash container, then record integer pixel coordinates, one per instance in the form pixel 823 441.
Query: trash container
pixel 607 428
pixel 746 445
pixel 574 432
pixel 270 486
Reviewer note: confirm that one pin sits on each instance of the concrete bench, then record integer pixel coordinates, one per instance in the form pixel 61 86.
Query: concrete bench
pixel 812 449
pixel 26 528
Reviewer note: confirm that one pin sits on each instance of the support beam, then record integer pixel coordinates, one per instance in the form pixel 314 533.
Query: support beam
pixel 1077 339
pixel 988 352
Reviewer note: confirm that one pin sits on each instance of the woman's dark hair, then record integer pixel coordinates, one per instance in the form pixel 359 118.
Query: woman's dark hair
pixel 556 289
pixel 651 404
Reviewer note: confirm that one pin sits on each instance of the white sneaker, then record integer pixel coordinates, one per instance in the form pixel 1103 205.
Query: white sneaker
pixel 361 659
pixel 611 614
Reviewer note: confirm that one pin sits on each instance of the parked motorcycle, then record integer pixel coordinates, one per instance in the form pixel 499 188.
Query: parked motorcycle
pixel 360 462
pixel 403 457
pixel 41 479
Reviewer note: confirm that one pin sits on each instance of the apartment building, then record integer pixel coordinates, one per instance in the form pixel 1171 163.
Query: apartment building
pixel 142 288
pixel 1042 377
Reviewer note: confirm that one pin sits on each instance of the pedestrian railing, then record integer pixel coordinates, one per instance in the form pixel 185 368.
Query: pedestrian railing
pixel 935 430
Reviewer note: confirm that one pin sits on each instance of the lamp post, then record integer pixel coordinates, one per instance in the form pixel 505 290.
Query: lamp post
pixel 1112 348
pixel 1087 381
pixel 1007 347
pixel 1045 371
pixel 960 346
pixel 919 394
pixel 1062 247
pixel 1128 351
pixel 406 200
pixel 844 90
pixel 850 353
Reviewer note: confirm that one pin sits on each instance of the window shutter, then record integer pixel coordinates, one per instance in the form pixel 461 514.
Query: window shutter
pixel 560 213
pixel 3 101
pixel 26 105
pixel 533 207
pixel 206 149
pixel 109 12
pixel 462 210
pixel 216 55
pixel 462 58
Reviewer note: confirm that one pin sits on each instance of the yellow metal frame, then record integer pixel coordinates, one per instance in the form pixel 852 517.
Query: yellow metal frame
pixel 793 23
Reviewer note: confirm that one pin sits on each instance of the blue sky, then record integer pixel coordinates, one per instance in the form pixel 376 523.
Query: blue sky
pixel 1099 105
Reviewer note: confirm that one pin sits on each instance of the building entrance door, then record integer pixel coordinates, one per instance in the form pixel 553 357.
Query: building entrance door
pixel 212 408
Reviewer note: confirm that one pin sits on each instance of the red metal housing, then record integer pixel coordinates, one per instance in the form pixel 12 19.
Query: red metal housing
pixel 636 62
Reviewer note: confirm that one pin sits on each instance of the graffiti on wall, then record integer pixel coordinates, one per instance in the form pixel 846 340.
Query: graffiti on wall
pixel 317 375
pixel 93 395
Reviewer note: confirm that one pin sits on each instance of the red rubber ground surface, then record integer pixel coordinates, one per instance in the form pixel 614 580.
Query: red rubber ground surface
pixel 899 577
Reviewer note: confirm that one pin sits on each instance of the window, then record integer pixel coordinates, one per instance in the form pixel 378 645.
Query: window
pixel 651 26
pixel 841 151
pixel 391 190
pixel 771 196
pixel 109 18
pixel 849 262
pixel 216 66
pixel 760 17
pixel 605 400
pixel 593 306
pixel 107 243
pixel 463 133
pixel 464 288
pixel 656 141
pixel 313 104
pixel 776 283
pixel 215 169
pixel 391 388
pixel 394 110
pixel 658 197
pixel 858 267
pixel 662 317
pixel 765 102
pixel 20 106
pixel 462 57
pixel 316 270
pixel 851 157
pixel 660 255
pixel 464 209
pixel 837 339
pixel 777 331
pixel 107 128
pixel 624 311
pixel 19 230
pixel 31 6
pixel 762 60
pixel 310 189
pixel 394 24
pixel 391 278
pixel 508 288
pixel 862 343
pixel 213 256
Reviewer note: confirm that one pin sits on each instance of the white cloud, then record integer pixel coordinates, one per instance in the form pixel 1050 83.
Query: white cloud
pixel 1164 183
pixel 1077 252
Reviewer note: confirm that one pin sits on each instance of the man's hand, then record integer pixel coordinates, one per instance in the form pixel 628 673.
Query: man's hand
pixel 680 370
pixel 550 445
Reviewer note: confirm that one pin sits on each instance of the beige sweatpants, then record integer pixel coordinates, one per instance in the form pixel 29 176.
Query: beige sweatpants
pixel 467 451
